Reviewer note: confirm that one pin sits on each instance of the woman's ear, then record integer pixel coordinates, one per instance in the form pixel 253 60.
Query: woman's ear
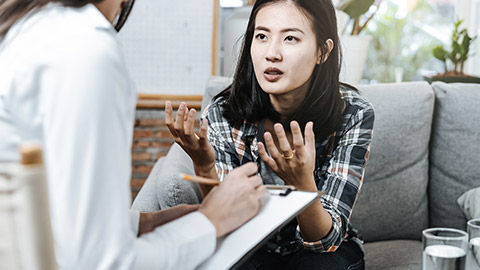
pixel 328 45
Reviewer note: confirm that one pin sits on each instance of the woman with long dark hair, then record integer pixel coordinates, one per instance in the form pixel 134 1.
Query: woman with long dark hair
pixel 63 84
pixel 287 110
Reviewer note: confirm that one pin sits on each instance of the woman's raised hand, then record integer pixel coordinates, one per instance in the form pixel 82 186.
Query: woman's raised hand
pixel 195 145
pixel 295 165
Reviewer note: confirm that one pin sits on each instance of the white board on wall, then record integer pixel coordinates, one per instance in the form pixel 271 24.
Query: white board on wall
pixel 168 45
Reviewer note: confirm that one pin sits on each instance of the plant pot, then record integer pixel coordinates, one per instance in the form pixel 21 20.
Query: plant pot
pixel 452 79
pixel 354 49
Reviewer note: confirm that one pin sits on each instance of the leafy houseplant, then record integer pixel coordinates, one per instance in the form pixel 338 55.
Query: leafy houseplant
pixel 455 57
pixel 354 46
pixel 355 9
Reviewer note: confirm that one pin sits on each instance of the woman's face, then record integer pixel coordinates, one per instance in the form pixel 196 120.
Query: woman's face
pixel 284 49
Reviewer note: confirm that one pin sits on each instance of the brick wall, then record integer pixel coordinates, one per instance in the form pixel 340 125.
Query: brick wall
pixel 151 140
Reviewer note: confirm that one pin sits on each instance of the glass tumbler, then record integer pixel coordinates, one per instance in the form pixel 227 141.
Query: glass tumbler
pixel 473 254
pixel 444 249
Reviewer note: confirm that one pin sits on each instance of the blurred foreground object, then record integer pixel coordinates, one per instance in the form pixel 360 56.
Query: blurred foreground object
pixel 26 240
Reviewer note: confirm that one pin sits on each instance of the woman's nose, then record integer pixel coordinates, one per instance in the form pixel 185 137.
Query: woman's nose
pixel 273 52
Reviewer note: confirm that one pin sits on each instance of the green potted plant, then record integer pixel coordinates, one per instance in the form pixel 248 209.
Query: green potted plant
pixel 355 47
pixel 454 58
pixel 355 9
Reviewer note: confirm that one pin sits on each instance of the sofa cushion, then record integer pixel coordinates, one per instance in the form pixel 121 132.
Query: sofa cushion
pixel 393 255
pixel 455 151
pixel 164 187
pixel 215 84
pixel 393 199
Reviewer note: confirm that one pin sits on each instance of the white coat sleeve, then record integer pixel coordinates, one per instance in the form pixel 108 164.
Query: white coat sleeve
pixel 88 109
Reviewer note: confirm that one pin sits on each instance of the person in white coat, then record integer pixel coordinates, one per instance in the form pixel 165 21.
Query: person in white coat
pixel 63 83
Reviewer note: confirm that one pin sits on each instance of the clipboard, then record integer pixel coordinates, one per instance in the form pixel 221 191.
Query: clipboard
pixel 281 207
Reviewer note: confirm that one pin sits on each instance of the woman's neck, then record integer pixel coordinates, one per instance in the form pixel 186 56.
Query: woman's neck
pixel 287 104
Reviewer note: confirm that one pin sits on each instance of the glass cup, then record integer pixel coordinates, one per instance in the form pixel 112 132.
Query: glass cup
pixel 473 254
pixel 444 249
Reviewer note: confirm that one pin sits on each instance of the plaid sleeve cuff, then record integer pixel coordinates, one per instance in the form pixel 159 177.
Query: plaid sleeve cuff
pixel 329 243
pixel 216 135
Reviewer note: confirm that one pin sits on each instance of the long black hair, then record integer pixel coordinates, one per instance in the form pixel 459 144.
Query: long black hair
pixel 13 10
pixel 323 103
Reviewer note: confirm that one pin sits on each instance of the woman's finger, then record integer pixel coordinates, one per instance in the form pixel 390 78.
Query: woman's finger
pixel 178 125
pixel 274 153
pixel 265 157
pixel 203 130
pixel 297 139
pixel 284 145
pixel 189 124
pixel 169 118
pixel 185 116
pixel 309 136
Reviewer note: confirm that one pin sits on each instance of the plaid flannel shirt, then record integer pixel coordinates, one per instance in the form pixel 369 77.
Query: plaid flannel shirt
pixel 339 168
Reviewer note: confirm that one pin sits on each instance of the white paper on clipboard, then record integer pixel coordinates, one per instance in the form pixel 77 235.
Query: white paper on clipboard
pixel 278 211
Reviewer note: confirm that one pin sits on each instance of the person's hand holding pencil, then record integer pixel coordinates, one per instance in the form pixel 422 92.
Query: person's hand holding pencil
pixel 235 200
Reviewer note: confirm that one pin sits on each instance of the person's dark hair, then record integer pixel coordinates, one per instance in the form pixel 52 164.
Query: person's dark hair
pixel 323 104
pixel 13 10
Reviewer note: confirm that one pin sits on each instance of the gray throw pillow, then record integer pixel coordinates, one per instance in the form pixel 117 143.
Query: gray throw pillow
pixel 469 202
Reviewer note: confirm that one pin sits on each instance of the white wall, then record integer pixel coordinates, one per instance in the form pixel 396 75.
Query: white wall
pixel 168 45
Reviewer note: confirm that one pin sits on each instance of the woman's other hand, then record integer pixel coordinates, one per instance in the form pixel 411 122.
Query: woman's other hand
pixel 195 145
pixel 295 165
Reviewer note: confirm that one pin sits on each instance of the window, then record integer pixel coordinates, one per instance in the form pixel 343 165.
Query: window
pixel 404 34
pixel 470 11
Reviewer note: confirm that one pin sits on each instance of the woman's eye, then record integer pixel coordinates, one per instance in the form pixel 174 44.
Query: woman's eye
pixel 261 36
pixel 291 38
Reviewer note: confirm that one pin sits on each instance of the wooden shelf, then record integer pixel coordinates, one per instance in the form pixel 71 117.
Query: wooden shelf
pixel 157 101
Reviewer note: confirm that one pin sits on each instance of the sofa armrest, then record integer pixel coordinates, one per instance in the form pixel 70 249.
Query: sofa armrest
pixel 164 187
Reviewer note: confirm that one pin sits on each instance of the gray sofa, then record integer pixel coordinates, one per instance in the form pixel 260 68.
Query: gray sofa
pixel 424 155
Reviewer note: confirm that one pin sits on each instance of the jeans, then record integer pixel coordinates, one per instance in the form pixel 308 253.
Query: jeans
pixel 348 256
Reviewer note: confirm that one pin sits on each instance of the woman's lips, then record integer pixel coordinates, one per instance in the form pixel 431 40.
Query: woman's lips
pixel 272 74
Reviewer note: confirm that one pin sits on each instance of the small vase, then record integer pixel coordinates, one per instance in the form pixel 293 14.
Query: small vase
pixel 354 49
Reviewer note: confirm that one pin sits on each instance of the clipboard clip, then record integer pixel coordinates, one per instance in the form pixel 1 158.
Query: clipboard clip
pixel 285 188
pixel 286 192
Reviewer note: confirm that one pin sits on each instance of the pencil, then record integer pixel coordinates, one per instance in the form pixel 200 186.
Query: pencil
pixel 199 179
pixel 214 182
